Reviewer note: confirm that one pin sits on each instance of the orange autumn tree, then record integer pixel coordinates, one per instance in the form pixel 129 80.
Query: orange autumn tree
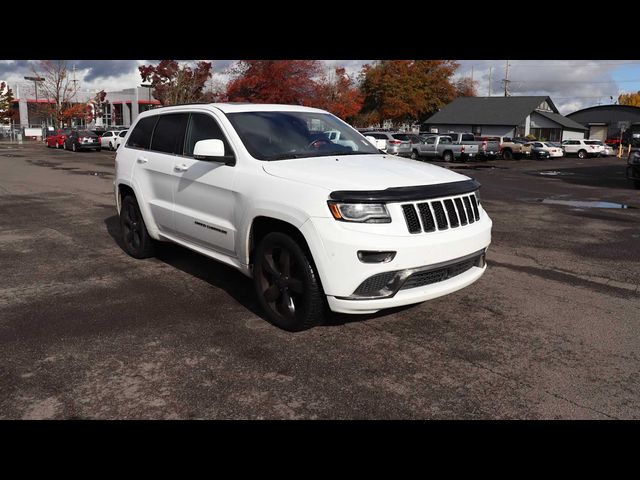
pixel 339 94
pixel 274 81
pixel 406 90
pixel 632 99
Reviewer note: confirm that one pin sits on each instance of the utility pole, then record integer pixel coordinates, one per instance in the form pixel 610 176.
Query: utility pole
pixel 506 79
pixel 75 82
pixel 490 68
pixel 471 74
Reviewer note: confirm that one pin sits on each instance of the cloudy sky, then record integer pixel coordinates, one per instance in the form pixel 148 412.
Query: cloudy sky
pixel 572 84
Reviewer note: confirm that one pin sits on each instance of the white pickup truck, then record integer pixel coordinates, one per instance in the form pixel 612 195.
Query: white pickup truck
pixel 441 146
pixel 316 219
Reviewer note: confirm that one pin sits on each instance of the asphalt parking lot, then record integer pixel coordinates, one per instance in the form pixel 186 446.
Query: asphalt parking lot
pixel 552 330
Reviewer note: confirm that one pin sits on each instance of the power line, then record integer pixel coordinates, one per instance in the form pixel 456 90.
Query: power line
pixel 559 66
pixel 576 81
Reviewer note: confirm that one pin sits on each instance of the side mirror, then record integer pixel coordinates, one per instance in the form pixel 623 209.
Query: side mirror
pixel 213 150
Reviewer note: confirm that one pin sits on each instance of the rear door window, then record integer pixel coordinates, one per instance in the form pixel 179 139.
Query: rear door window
pixel 141 135
pixel 168 136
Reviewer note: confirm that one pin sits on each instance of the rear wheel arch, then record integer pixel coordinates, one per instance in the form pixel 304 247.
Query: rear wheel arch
pixel 125 190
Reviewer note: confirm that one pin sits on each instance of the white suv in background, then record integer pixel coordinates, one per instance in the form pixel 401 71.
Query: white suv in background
pixel 264 189
pixel 120 138
pixel 108 139
pixel 583 148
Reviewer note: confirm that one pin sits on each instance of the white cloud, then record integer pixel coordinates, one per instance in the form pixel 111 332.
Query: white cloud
pixel 571 84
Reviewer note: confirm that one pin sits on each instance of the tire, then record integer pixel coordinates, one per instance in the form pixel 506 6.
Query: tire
pixel 99 149
pixel 582 154
pixel 64 145
pixel 286 284
pixel 636 184
pixel 73 147
pixel 135 237
pixel 111 146
pixel 507 155
pixel 415 155
pixel 447 156
pixel 57 146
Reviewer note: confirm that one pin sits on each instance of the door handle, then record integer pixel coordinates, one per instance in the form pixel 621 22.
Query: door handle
pixel 142 160
pixel 181 168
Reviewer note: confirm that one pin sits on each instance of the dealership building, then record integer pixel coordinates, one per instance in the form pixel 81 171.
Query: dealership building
pixel 120 108
pixel 605 122
pixel 505 116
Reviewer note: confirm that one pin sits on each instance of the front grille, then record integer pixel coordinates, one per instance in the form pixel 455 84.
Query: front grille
pixel 420 279
pixel 443 214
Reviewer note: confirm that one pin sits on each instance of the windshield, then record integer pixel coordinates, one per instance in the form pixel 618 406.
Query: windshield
pixel 286 135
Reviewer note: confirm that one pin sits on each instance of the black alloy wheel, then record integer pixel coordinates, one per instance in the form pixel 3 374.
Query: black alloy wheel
pixel 137 241
pixel 287 284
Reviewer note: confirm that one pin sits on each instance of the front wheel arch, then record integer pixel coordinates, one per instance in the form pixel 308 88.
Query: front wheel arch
pixel 263 225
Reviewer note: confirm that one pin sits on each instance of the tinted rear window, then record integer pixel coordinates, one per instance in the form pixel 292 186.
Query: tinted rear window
pixel 168 136
pixel 467 138
pixel 141 135
pixel 400 136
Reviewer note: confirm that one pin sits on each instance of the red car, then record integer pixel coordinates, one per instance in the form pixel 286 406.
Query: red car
pixel 57 139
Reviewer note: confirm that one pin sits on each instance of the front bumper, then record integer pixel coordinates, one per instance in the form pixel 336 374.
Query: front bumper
pixel 407 297
pixel 335 246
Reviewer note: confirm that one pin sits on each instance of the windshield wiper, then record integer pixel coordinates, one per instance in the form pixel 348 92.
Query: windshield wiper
pixel 288 156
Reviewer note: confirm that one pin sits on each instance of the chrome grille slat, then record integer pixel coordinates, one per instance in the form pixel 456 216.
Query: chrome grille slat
pixel 411 217
pixel 441 214
pixel 474 204
pixel 467 205
pixel 463 215
pixel 428 222
pixel 451 213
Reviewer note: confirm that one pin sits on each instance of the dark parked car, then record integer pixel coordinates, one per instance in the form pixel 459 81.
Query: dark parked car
pixel 82 140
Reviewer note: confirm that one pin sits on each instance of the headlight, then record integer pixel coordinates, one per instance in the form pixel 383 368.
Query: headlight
pixel 360 212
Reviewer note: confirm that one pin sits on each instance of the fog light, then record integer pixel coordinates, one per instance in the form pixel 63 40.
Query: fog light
pixel 366 256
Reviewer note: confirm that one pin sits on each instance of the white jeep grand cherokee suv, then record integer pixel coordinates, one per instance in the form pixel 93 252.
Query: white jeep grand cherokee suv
pixel 262 188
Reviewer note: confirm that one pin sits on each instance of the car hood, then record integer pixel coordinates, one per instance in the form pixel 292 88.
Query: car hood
pixel 361 172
